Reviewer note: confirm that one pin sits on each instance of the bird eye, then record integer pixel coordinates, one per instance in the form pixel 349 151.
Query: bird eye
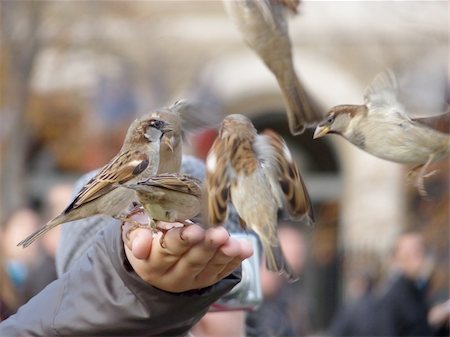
pixel 330 119
pixel 156 124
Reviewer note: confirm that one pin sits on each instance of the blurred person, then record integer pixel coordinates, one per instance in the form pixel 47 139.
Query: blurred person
pixel 9 300
pixel 221 324
pixel 58 196
pixel 18 262
pixel 282 312
pixel 43 270
pixel 439 318
pixel 356 317
pixel 403 306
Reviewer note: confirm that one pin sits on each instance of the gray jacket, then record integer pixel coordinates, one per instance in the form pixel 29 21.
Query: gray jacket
pixel 101 295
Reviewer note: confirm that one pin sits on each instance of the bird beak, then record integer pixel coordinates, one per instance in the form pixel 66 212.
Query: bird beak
pixel 168 142
pixel 167 127
pixel 321 131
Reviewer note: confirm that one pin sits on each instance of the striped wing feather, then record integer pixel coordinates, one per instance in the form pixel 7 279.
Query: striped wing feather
pixel 295 194
pixel 121 169
pixel 176 182
pixel 218 182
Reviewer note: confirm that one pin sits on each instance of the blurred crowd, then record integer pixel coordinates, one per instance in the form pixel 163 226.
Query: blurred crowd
pixel 402 303
pixel 25 272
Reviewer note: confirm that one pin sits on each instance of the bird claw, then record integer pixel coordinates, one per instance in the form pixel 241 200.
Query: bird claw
pixel 421 188
pixel 420 183
pixel 134 225
pixel 430 174
pixel 164 231
pixel 187 222
pixel 421 175
pixel 420 179
pixel 135 210
pixel 163 235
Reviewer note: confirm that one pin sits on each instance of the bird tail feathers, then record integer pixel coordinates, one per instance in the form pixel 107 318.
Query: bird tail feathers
pixel 276 262
pixel 40 232
pixel 300 110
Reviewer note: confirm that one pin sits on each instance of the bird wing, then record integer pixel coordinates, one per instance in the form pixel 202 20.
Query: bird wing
pixel 290 182
pixel 218 181
pixel 381 97
pixel 122 168
pixel 176 182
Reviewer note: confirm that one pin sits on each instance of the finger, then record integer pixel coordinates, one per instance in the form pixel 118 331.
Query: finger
pixel 141 243
pixel 229 268
pixel 207 249
pixel 177 242
pixel 138 241
pixel 227 258
pixel 246 250
pixel 196 259
pixel 128 227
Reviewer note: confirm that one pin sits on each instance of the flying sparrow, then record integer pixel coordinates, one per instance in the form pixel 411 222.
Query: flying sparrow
pixel 258 174
pixel 264 26
pixel 383 128
pixel 168 197
pixel 137 159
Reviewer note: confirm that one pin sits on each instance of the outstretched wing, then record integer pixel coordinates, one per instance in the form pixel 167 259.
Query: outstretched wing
pixel 122 168
pixel 381 96
pixel 294 193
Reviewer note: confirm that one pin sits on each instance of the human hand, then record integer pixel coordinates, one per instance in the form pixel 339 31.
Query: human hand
pixel 192 257
pixel 439 314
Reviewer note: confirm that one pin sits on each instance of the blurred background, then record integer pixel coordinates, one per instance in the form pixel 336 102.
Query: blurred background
pixel 74 74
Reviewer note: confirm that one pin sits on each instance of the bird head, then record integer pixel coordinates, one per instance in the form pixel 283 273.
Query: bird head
pixel 156 128
pixel 237 124
pixel 338 120
pixel 147 129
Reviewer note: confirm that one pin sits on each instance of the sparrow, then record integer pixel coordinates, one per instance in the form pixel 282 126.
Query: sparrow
pixel 264 27
pixel 383 128
pixel 258 174
pixel 137 159
pixel 168 197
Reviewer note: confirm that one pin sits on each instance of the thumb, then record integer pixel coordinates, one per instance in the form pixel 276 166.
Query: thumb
pixel 138 241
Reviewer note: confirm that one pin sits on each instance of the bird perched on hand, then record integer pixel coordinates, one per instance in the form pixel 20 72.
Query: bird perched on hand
pixel 264 26
pixel 384 129
pixel 137 159
pixel 169 197
pixel 258 174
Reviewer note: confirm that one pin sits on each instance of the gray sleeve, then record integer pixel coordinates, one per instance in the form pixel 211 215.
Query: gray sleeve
pixel 101 295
